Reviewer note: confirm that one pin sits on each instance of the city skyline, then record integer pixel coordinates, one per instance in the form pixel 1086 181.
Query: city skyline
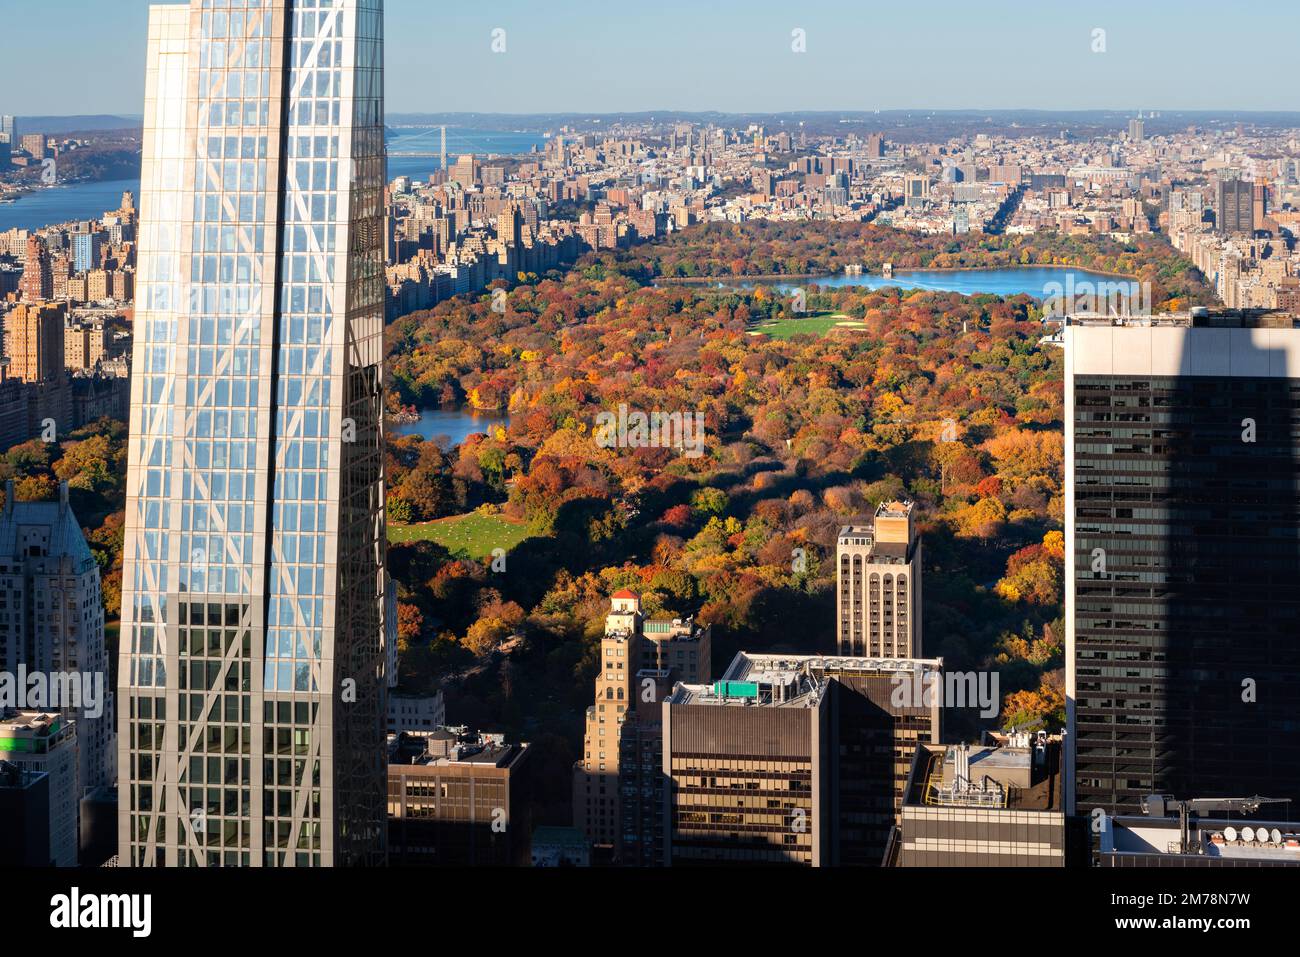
pixel 648 488
pixel 739 58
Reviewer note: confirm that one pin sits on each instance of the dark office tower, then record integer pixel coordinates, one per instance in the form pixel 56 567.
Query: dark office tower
pixel 1182 608
pixel 24 817
pixel 795 759
pixel 1235 213
pixel 252 654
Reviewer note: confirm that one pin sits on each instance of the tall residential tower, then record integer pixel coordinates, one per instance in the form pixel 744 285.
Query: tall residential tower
pixel 878 585
pixel 251 677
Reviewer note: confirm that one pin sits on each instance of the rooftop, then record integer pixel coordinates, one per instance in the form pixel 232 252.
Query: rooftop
pixel 789 681
pixel 747 664
pixel 1017 772
pixel 56 526
pixel 769 690
pixel 451 746
pixel 38 723
pixel 1196 318
pixel 896 509
pixel 889 536
pixel 1244 838
pixel 675 629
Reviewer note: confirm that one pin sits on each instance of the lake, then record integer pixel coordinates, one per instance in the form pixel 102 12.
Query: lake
pixel 1008 281
pixel 450 427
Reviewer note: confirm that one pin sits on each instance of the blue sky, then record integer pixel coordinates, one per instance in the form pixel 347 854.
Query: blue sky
pixel 86 56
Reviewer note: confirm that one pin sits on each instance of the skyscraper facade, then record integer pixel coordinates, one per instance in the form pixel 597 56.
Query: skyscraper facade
pixel 85 251
pixel 878 585
pixel 37 282
pixel 617 790
pixel 794 759
pixel 47 742
pixel 1236 206
pixel 52 620
pixel 1183 553
pixel 34 341
pixel 251 676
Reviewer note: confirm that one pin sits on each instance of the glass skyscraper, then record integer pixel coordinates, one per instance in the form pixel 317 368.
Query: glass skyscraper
pixel 251 671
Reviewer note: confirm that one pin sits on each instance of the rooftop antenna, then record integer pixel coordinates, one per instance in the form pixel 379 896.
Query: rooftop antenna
pixel 1158 805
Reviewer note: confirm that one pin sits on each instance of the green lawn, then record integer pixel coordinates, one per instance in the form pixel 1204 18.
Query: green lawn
pixel 816 323
pixel 467 536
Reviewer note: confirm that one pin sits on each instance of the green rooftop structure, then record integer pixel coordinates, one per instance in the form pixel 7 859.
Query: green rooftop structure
pixel 735 689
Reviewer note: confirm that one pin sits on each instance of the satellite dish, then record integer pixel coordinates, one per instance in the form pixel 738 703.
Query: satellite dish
pixel 1275 836
pixel 1248 834
pixel 1230 832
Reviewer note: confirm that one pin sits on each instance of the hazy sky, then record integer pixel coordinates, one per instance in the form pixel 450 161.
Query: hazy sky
pixel 86 56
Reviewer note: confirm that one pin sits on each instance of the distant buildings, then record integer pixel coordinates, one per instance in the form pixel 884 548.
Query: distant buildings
pixel 1235 211
pixel 1247 272
pixel 1186 209
pixel 57 372
pixel 34 145
pixel 84 345
pixel 458 236
pixel 33 342
pixel 85 251
pixel 75 263
pixel 458 799
pixel 37 283
pixel 916 190
pixel 878 585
